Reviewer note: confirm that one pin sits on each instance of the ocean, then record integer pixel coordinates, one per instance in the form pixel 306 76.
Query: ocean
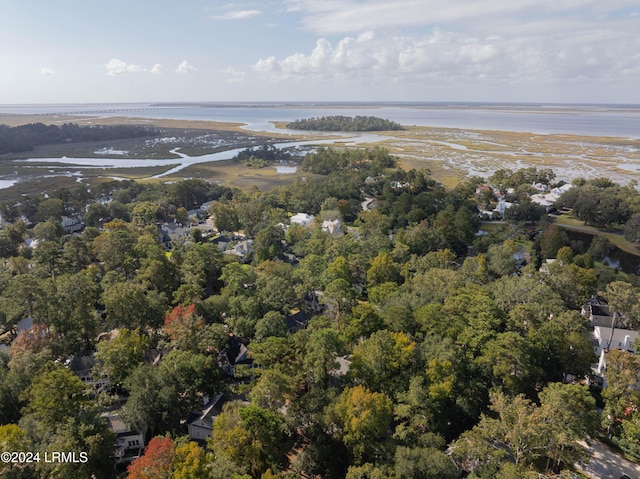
pixel 589 120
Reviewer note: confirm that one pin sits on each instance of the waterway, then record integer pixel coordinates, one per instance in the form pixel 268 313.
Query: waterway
pixel 615 257
pixel 590 120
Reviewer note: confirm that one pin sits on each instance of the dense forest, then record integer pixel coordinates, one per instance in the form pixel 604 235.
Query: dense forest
pixel 25 137
pixel 344 123
pixel 424 350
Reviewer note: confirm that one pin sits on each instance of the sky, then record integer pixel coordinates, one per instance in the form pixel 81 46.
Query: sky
pixel 555 51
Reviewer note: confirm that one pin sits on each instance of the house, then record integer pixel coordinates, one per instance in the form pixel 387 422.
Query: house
pixel 302 219
pixel 200 423
pixel 129 443
pixel 597 312
pixel 234 355
pixel 71 224
pixel 620 339
pixel 82 366
pixel 502 207
pixel 242 249
pixel 298 321
pixel 221 242
pixel 332 227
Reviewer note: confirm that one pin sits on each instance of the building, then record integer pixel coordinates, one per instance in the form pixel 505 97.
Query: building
pixel 333 227
pixel 603 341
pixel 129 443
pixel 302 219
pixel 200 423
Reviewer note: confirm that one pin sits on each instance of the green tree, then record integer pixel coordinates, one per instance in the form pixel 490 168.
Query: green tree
pixel 384 362
pixel 251 436
pixel 424 463
pixel 126 305
pixel 55 396
pixel 118 358
pixel 362 417
pixel 567 414
pixel 272 323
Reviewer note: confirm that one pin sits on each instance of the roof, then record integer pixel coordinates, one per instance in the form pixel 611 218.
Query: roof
pixel 82 365
pixel 210 411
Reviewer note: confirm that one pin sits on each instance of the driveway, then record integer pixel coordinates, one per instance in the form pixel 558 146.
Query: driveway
pixel 607 464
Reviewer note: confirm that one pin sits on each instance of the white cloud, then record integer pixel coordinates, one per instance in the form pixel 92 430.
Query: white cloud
pixel 186 67
pixel 47 71
pixel 119 67
pixel 234 75
pixel 237 15
pixel 445 56
pixel 348 16
pixel 156 69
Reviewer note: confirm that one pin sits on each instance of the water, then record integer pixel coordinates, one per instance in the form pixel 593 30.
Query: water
pixel 184 160
pixel 616 258
pixel 590 120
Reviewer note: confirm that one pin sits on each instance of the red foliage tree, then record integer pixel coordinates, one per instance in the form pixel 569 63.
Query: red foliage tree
pixel 157 461
pixel 182 325
pixel 34 339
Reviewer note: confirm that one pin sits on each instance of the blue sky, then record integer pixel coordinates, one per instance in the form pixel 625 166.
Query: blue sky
pixel 320 50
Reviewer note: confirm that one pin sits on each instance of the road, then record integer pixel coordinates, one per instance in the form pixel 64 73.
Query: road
pixel 607 464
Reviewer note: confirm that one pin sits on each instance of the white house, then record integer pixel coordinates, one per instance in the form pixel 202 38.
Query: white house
pixel 333 227
pixel 302 219
pixel 200 423
pixel 129 443
pixel 621 339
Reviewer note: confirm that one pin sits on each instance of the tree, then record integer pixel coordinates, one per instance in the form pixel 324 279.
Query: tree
pixel 157 461
pixel 632 229
pixel 117 358
pixel 362 417
pixel 114 245
pixel 190 462
pixel 272 323
pixel 251 436
pixel 268 243
pixel 322 348
pixel 623 382
pixel 272 390
pixel 126 305
pixel 567 414
pixel 55 396
pixel 88 434
pixel 384 362
pixel 424 463
pixel 382 270
pixel 514 436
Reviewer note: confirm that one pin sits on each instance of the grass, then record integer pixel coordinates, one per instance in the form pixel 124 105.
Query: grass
pixel 615 237
pixel 452 155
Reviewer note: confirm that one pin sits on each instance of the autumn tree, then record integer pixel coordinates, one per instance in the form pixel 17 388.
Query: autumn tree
pixel 251 436
pixel 157 461
pixel 362 417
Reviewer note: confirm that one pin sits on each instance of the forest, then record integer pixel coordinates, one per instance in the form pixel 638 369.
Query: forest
pixel 345 123
pixel 26 137
pixel 405 346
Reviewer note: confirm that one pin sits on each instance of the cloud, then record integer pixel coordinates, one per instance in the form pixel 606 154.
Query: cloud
pixel 237 15
pixel 156 69
pixel 185 67
pixel 118 67
pixel 47 72
pixel 235 76
pixel 349 16
pixel 445 56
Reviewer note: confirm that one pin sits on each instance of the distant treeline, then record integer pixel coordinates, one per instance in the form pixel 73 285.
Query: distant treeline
pixel 345 123
pixel 26 137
